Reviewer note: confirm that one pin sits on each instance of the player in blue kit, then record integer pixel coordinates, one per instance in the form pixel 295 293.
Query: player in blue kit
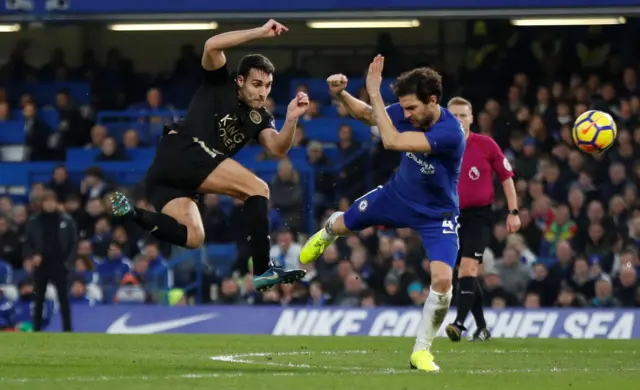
pixel 421 195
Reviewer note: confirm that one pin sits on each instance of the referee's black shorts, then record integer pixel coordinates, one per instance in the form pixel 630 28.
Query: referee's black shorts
pixel 475 228
pixel 179 168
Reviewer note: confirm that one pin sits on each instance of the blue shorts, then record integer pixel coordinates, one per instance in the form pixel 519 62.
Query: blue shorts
pixel 384 207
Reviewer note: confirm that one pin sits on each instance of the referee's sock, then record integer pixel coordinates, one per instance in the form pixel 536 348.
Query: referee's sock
pixel 162 226
pixel 466 297
pixel 256 209
pixel 477 309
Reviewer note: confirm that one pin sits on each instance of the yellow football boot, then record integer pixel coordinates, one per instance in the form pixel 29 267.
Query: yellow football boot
pixel 314 247
pixel 423 360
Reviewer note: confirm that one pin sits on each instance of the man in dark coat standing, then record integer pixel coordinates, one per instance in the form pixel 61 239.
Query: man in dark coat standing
pixel 51 243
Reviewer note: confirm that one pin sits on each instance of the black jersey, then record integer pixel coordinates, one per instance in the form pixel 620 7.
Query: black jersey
pixel 219 119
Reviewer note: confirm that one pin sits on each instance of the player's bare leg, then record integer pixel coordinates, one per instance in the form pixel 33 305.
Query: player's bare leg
pixel 469 299
pixel 231 178
pixel 434 311
pixel 316 244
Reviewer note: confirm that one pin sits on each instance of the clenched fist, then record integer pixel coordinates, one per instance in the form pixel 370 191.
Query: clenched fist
pixel 337 83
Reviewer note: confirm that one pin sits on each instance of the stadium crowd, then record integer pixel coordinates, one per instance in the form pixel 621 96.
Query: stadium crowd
pixel 580 236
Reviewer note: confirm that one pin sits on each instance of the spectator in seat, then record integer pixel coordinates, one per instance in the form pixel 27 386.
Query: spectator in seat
pixel 346 145
pixel 313 111
pixel 300 138
pixel 513 273
pixel 543 285
pixel 229 292
pixel 317 297
pixel 562 268
pixel 215 220
pixel 110 152
pixel 101 238
pixel 10 244
pixel 114 266
pixel 604 294
pixel 93 185
pixel 567 298
pixel 286 195
pixel 158 271
pixel 130 139
pixel 324 180
pixel 83 270
pixel 626 286
pixel 19 217
pixel 22 311
pixel 98 134
pixel 532 301
pixel 561 228
pixel 60 183
pixel 353 288
pixel 581 282
pixel 71 125
pixel 78 293
pixel 286 252
pixel 38 136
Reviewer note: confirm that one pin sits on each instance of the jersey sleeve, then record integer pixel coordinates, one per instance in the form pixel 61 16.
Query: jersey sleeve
pixel 445 138
pixel 268 122
pixel 219 76
pixel 498 161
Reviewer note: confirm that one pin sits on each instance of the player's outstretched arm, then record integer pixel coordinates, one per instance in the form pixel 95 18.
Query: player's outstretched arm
pixel 392 139
pixel 356 107
pixel 279 143
pixel 213 57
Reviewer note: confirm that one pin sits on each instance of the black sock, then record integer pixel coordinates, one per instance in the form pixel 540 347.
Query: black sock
pixel 162 226
pixel 477 309
pixel 466 296
pixel 256 209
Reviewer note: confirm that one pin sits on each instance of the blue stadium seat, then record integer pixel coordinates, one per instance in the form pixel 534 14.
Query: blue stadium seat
pixel 222 257
pixel 12 133
pixel 82 156
pixel 326 129
pixel 318 88
pixel 45 93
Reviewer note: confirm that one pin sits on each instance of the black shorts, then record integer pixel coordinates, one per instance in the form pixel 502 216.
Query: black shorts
pixel 475 228
pixel 179 168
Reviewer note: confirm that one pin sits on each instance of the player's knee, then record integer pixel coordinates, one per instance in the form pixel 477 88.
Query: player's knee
pixel 441 277
pixel 195 237
pixel 258 188
pixel 468 267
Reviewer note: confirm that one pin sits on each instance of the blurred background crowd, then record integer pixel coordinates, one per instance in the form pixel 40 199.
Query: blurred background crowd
pixel 580 236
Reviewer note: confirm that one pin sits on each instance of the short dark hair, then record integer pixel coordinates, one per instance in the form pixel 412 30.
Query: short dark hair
pixel 255 61
pixel 423 82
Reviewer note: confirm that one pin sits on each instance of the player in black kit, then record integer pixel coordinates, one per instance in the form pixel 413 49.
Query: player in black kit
pixel 194 156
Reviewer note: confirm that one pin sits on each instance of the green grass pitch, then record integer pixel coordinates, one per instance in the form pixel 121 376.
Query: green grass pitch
pixel 173 362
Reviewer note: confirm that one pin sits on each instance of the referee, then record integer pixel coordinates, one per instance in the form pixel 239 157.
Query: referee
pixel 482 157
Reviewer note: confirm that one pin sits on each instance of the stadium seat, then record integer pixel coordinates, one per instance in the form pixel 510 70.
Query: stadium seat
pixel 318 88
pixel 326 129
pixel 222 257
pixel 45 93
pixel 12 133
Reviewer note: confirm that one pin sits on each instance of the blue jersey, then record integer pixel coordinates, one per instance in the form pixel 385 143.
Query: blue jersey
pixel 428 182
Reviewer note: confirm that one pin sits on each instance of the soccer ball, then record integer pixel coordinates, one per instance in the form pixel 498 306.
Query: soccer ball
pixel 594 132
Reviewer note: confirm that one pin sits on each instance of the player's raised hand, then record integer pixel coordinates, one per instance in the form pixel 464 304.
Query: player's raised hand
pixel 272 29
pixel 337 83
pixel 513 223
pixel 298 106
pixel 374 76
